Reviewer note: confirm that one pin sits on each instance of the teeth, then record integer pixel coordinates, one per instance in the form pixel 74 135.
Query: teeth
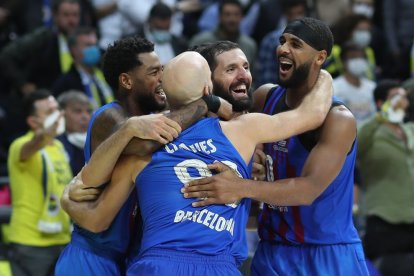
pixel 240 87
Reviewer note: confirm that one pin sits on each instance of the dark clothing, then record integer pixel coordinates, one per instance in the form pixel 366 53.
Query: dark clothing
pixel 178 44
pixel 32 260
pixel 76 157
pixel 70 80
pixel 32 58
pixel 383 238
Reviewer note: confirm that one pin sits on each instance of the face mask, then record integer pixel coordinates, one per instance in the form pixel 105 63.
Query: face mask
pixel 395 116
pixel 361 38
pixel 363 9
pixel 161 36
pixel 91 55
pixel 51 119
pixel 357 66
pixel 77 139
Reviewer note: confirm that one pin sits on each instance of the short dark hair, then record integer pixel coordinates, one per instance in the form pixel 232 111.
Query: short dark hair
pixel 160 10
pixel 320 28
pixel 73 36
pixel 350 47
pixel 229 2
pixel 286 5
pixel 122 56
pixel 30 100
pixel 56 4
pixel 211 50
pixel 383 88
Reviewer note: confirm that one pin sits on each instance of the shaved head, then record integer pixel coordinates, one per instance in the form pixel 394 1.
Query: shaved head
pixel 185 79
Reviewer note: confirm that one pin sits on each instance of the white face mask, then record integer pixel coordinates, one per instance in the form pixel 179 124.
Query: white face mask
pixel 361 38
pixel 77 139
pixel 396 116
pixel 363 9
pixel 51 119
pixel 357 66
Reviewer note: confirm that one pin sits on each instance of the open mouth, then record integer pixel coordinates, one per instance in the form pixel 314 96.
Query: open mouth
pixel 239 91
pixel 285 66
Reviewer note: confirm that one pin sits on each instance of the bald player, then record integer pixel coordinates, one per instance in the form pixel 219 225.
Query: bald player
pixel 177 238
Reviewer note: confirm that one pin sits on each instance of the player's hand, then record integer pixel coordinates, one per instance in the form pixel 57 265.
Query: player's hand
pixel 221 188
pixel 259 165
pixel 154 127
pixel 78 192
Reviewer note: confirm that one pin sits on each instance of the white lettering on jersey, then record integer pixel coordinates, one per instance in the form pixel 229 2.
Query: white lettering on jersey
pixel 207 218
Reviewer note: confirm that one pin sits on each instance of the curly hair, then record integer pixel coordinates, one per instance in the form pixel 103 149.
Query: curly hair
pixel 122 56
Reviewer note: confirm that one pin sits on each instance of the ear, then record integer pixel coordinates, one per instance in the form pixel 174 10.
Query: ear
pixel 321 57
pixel 125 81
pixel 33 122
pixel 206 90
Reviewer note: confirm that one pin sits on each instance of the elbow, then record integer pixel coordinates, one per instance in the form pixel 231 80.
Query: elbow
pixel 95 225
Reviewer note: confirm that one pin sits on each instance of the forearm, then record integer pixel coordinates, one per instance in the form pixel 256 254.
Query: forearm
pixel 286 192
pixel 189 114
pixel 140 147
pixel 78 211
pixel 32 146
pixel 99 168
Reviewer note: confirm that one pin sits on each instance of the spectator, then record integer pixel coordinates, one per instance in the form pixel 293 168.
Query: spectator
pixel 84 74
pixel 386 164
pixel 352 87
pixel 38 171
pixel 78 111
pixel 23 62
pixel 354 28
pixel 231 14
pixel 157 29
pixel 398 23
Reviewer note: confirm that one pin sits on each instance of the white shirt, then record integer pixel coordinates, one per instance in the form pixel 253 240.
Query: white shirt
pixel 360 100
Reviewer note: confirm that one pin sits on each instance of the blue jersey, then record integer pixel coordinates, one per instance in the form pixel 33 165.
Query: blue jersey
pixel 114 241
pixel 170 222
pixel 328 220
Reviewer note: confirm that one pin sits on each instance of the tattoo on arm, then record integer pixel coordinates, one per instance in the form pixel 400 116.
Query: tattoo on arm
pixel 189 114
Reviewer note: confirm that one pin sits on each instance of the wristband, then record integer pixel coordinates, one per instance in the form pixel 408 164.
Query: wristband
pixel 212 102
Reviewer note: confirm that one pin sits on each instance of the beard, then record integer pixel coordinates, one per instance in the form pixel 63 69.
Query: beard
pixel 239 105
pixel 298 78
pixel 149 104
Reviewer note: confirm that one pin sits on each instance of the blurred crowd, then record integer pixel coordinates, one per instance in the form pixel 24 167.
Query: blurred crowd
pixel 55 46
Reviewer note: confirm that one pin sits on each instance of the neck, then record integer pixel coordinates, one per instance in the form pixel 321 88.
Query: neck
pixel 130 106
pixel 355 81
pixel 295 95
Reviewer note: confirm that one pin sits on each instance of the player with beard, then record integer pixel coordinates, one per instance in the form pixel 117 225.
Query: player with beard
pixel 232 80
pixel 306 224
pixel 178 240
pixel 133 70
pixel 230 73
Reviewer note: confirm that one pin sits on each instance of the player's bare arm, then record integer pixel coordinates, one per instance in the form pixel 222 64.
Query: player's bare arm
pixel 337 136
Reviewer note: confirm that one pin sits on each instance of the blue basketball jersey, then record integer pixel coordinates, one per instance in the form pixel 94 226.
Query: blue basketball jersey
pixel 113 243
pixel 170 222
pixel 328 220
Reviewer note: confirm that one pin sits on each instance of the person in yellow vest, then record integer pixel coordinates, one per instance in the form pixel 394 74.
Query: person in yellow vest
pixel 38 172
pixel 353 28
pixel 85 74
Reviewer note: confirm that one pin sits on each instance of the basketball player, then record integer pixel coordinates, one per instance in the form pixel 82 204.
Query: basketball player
pixel 178 239
pixel 133 69
pixel 306 224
